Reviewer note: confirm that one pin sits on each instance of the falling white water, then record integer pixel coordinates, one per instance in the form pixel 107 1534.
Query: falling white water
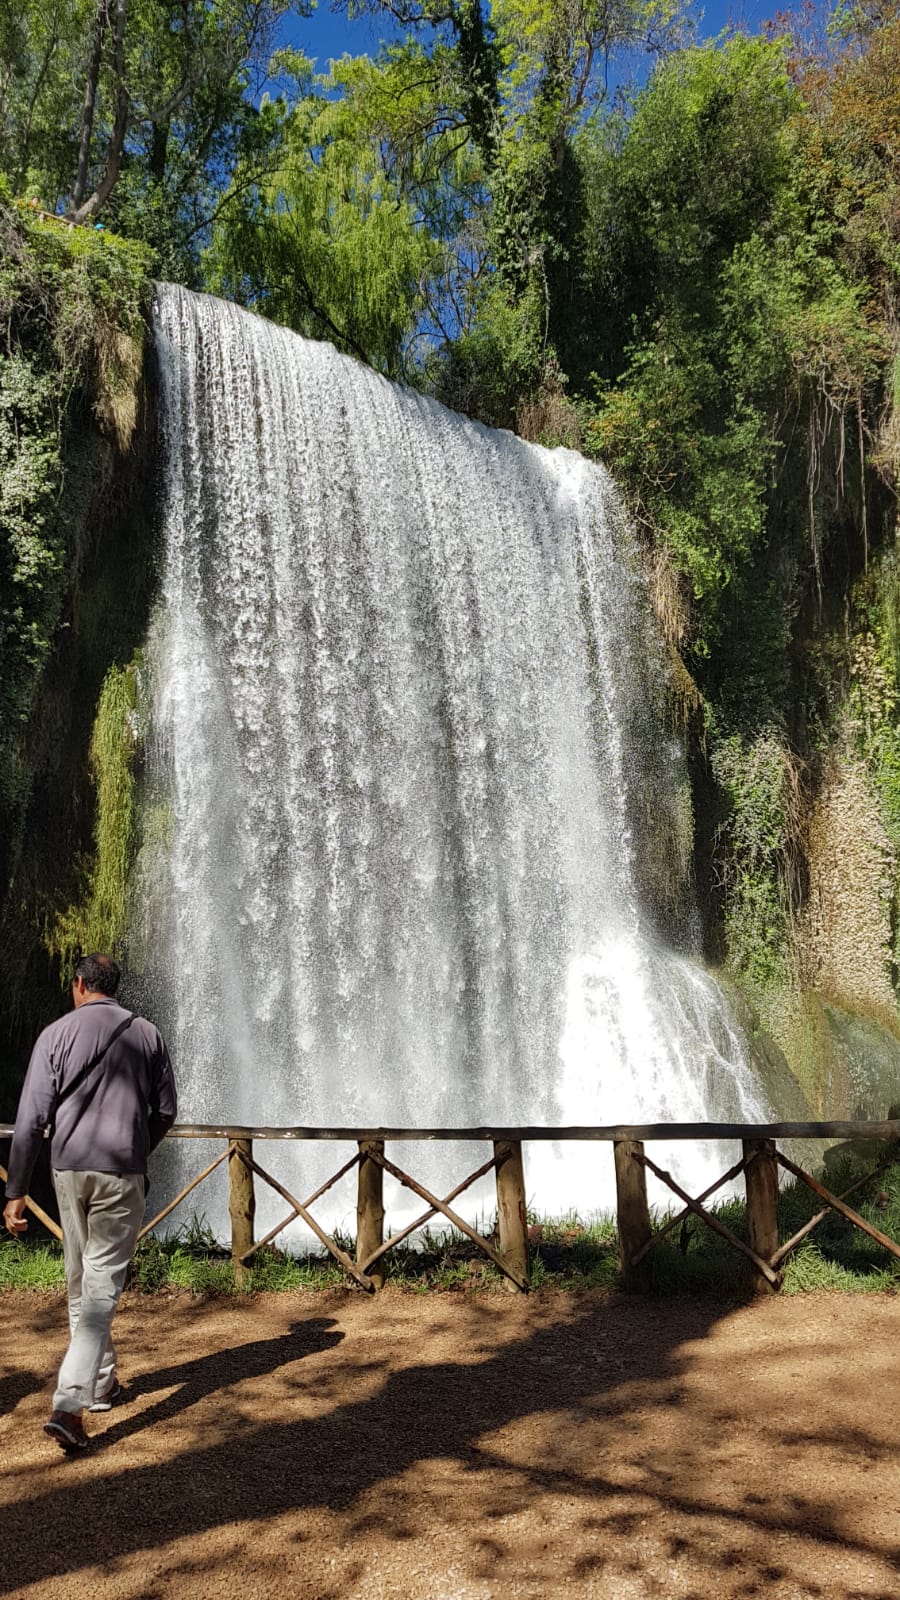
pixel 405 750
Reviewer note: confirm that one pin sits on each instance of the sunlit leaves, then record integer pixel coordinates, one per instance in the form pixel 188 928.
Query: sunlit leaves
pixel 328 242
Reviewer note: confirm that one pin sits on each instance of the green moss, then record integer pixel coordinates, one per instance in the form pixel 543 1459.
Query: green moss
pixel 756 847
pixel 873 704
pixel 797 1021
pixel 98 921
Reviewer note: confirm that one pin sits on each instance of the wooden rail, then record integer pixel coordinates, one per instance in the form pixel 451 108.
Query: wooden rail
pixel 508 1250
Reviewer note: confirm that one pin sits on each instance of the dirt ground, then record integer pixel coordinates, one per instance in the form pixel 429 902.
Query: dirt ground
pixel 449 1447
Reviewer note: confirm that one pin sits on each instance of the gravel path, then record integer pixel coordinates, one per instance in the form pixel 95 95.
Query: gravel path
pixel 450 1447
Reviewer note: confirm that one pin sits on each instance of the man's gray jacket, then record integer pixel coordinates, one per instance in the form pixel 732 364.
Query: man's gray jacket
pixel 105 1121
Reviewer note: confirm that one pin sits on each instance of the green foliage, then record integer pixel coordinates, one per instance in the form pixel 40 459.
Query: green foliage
pixel 739 327
pixel 327 242
pixel 135 112
pixel 701 486
pixel 71 309
pixel 422 209
pixel 487 369
pixel 41 64
pixel 733 341
pixel 556 62
pixel 98 922
pixel 24 1265
pixel 756 852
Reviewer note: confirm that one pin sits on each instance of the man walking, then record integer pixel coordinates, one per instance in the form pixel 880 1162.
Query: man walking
pixel 100 1084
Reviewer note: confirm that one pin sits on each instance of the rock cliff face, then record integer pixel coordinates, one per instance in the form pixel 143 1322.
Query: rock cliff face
pixel 798 847
pixel 844 933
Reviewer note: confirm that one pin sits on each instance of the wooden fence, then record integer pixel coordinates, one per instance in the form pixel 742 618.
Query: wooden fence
pixel 760 1161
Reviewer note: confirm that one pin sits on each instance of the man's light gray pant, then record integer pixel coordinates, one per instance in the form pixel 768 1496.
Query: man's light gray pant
pixel 101 1214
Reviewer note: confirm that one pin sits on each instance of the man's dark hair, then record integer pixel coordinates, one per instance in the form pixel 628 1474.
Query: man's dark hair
pixel 101 973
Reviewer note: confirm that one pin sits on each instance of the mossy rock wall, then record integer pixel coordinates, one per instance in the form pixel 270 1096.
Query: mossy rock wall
pixel 104 622
pixel 844 933
pixel 88 497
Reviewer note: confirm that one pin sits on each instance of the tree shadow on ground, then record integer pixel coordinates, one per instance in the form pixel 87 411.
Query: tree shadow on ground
pixel 590 1370
pixel 17 1386
pixel 193 1381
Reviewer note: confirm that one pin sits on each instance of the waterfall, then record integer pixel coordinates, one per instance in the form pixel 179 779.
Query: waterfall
pixel 406 758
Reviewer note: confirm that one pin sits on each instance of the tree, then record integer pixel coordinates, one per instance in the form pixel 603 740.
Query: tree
pixel 41 48
pixel 137 109
pixel 464 129
pixel 326 241
pixel 737 344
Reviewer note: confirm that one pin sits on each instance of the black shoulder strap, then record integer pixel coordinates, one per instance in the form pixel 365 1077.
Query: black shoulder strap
pixel 95 1060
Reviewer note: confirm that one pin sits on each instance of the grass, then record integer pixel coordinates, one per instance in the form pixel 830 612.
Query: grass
pixel 567 1253
pixel 836 1255
pixel 24 1265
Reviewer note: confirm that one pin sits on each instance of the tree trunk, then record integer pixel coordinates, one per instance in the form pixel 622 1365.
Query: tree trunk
pixel 101 22
pixel 116 146
pixel 159 146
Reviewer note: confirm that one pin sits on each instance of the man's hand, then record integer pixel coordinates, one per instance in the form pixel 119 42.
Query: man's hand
pixel 14 1218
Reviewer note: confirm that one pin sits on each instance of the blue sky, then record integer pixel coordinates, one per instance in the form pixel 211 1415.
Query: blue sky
pixel 328 33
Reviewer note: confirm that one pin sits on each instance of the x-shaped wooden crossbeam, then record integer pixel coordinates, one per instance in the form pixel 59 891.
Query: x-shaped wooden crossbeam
pixel 769 1268
pixel 359 1270
pixel 835 1202
pixel 712 1222
pixel 300 1208
pixel 688 1210
pixel 443 1206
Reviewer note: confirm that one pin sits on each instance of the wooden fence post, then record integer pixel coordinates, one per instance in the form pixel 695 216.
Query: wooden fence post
pixel 242 1206
pixel 511 1218
pixel 633 1213
pixel 370 1209
pixel 761 1178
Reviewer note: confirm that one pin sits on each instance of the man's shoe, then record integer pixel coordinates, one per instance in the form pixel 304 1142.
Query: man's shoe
pixel 67 1428
pixel 111 1397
